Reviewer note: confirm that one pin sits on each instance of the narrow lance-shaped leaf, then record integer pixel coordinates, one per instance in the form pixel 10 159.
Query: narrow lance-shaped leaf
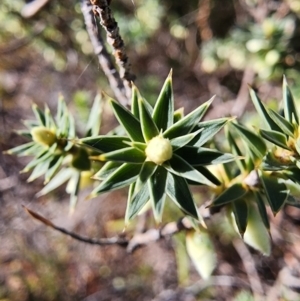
pixel 128 154
pixel 106 143
pixel 277 138
pixel 73 189
pixel 180 167
pixel 183 140
pixel 252 140
pixel 232 193
pixel 263 113
pixel 149 128
pixel 179 192
pixel 286 126
pixel 163 112
pixel 276 191
pixel 20 150
pixel 122 177
pixel 39 170
pixel 136 203
pixel 146 172
pixel 187 123
pixel 290 111
pixel 107 169
pixel 50 123
pixel 240 210
pixel 60 178
pixel 39 114
pixel 262 209
pixel 157 189
pixel 135 96
pixel 53 168
pixel 130 123
pixel 201 250
pixel 209 130
pixel 94 120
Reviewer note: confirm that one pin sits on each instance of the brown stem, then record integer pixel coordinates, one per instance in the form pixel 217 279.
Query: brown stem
pixel 104 57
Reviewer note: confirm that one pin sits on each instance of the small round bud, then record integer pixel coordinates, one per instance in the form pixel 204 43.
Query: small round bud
pixel 43 136
pixel 159 150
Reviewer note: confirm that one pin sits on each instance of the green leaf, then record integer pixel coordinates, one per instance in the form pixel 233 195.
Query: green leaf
pixel 157 189
pixel 127 154
pixel 130 123
pixel 163 112
pixel 73 189
pixel 236 151
pixel 149 129
pixel 71 129
pixel 178 114
pixel 207 174
pixel 286 126
pixel 107 169
pixel 146 172
pixel 60 178
pixel 203 156
pixel 183 140
pixel 182 168
pixel 137 203
pixel 263 113
pixel 276 191
pixel 240 210
pixel 105 143
pixel 94 120
pixel 21 149
pixel 290 111
pixel 39 114
pixel 232 193
pixel 179 192
pixel 135 96
pixel 187 123
pixel 201 250
pixel 125 175
pixel 277 138
pixel 39 170
pixel 262 209
pixel 252 140
pixel 50 123
pixel 209 130
pixel 53 167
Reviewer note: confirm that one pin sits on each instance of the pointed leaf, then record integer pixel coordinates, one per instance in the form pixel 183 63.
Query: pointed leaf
pixel 232 193
pixel 127 154
pixel 21 149
pixel 107 169
pixel 130 123
pixel 209 130
pixel 277 138
pixel 179 192
pixel 146 172
pixel 290 111
pixel 60 178
pixel 137 203
pixel 183 140
pixel 207 174
pixel 53 167
pixel 240 210
pixel 94 120
pixel 149 128
pixel 163 112
pixel 263 113
pixel 73 189
pixel 187 123
pixel 182 168
pixel 105 143
pixel 252 140
pixel 39 170
pixel 201 250
pixel 122 177
pixel 50 123
pixel 157 188
pixel 39 114
pixel 135 96
pixel 262 209
pixel 178 114
pixel 276 191
pixel 286 126
pixel 203 156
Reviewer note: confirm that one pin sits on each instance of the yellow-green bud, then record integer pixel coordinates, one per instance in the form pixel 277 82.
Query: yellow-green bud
pixel 43 136
pixel 159 150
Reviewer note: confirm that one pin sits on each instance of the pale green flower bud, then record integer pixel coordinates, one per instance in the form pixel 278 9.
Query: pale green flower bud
pixel 43 136
pixel 159 150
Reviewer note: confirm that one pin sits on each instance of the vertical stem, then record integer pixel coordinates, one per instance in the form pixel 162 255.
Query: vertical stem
pixel 104 58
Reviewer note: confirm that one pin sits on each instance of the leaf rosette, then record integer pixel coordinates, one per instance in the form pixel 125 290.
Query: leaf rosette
pixel 160 155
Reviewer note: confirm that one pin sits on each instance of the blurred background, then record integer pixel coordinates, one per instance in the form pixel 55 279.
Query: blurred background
pixel 214 47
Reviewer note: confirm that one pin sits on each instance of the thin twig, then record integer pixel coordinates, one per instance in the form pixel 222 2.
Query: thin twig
pixel 102 10
pixel 104 57
pixel 249 265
